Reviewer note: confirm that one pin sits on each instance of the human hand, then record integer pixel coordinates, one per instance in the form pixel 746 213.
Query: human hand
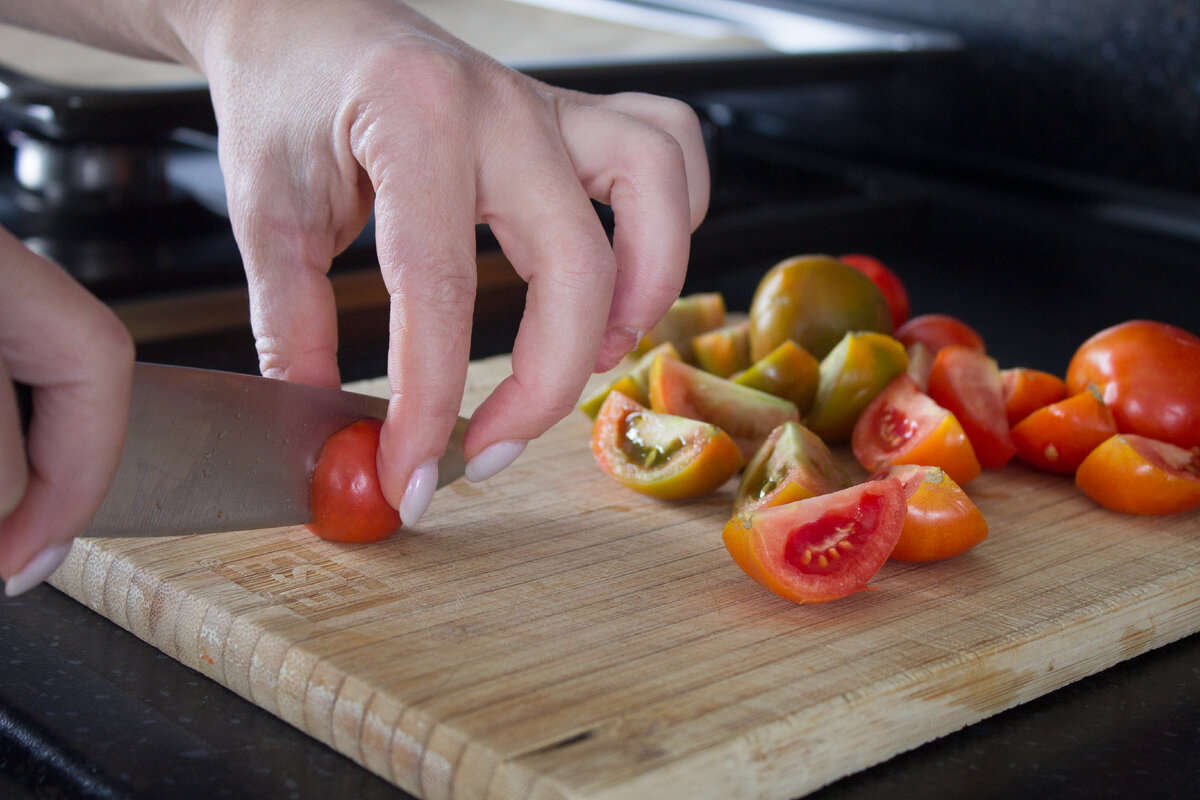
pixel 329 111
pixel 78 359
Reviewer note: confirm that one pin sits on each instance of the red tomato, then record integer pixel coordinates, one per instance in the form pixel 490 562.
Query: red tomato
pixel 821 548
pixel 1059 436
pixel 1027 390
pixel 1148 374
pixel 345 497
pixel 1137 475
pixel 967 382
pixel 941 521
pixel 888 282
pixel 936 331
pixel 903 425
pixel 661 455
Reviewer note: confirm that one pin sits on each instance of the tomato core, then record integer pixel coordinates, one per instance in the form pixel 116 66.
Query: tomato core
pixel 816 547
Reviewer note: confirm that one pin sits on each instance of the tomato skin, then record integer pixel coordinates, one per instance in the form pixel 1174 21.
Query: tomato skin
pixel 1026 390
pixel 967 383
pixel 1149 375
pixel 345 497
pixel 903 425
pixel 941 521
pixel 792 464
pixel 1137 475
pixel 1059 436
pixel 723 351
pixel 936 331
pixel 789 371
pixel 821 548
pixel 688 317
pixel 889 284
pixel 850 377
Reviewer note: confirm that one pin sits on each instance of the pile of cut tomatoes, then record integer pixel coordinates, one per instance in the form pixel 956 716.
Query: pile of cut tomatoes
pixel 829 356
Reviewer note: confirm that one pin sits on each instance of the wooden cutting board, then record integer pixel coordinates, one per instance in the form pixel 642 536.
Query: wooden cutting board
pixel 551 634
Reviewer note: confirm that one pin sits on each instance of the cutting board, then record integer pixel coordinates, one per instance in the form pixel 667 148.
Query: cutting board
pixel 552 634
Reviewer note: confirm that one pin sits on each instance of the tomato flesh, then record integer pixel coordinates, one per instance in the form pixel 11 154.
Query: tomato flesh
pixel 792 464
pixel 344 495
pixel 968 383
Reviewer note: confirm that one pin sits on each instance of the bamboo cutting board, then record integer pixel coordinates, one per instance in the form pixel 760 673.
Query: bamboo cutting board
pixel 551 634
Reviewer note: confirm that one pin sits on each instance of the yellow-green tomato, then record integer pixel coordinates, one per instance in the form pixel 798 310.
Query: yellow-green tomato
pixel 793 464
pixel 814 300
pixel 855 371
pixel 789 371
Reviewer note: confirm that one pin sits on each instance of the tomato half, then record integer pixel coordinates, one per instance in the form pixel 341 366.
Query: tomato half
pixel 746 414
pixel 889 284
pixel 936 331
pixel 345 497
pixel 661 455
pixel 723 351
pixel 850 377
pixel 1026 390
pixel 793 464
pixel 903 425
pixel 789 371
pixel 1059 436
pixel 688 317
pixel 1148 374
pixel 941 522
pixel 967 382
pixel 822 548
pixel 1138 475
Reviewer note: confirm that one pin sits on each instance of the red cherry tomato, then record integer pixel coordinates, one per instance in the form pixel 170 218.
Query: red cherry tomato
pixel 936 331
pixel 941 522
pixel 1137 475
pixel 1027 390
pixel 967 382
pixel 1149 375
pixel 821 548
pixel 346 500
pixel 888 282
pixel 1059 436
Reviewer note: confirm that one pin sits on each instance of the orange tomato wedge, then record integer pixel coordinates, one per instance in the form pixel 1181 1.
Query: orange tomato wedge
pixel 942 521
pixel 1138 475
pixel 1059 436
pixel 1026 390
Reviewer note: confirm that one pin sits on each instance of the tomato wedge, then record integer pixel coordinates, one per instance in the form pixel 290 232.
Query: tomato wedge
pixel 789 371
pixel 822 548
pixel 664 456
pixel 888 282
pixel 936 331
pixel 746 414
pixel 688 317
pixel 967 382
pixel 723 351
pixel 633 382
pixel 942 521
pixel 344 495
pixel 1059 436
pixel 903 425
pixel 850 377
pixel 793 464
pixel 1138 475
pixel 1026 390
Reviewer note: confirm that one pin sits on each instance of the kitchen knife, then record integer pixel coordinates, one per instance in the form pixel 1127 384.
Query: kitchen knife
pixel 209 451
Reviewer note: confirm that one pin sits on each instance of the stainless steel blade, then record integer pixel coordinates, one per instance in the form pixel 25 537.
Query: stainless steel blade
pixel 214 451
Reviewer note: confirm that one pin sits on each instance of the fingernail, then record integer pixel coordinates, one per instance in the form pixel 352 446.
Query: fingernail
pixel 493 458
pixel 39 568
pixel 618 342
pixel 419 492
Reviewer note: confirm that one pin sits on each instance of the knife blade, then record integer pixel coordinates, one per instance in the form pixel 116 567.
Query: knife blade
pixel 209 451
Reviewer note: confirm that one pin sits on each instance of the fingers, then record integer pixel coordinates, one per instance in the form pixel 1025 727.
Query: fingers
pixel 78 359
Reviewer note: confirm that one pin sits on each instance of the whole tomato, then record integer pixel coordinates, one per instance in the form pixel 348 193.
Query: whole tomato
pixel 1148 373
pixel 345 497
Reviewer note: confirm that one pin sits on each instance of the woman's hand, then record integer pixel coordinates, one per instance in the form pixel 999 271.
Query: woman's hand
pixel 78 359
pixel 328 111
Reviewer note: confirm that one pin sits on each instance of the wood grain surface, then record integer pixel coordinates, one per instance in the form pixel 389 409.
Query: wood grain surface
pixel 552 634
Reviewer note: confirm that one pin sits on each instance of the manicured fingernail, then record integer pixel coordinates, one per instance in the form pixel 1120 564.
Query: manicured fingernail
pixel 419 492
pixel 493 458
pixel 618 342
pixel 39 568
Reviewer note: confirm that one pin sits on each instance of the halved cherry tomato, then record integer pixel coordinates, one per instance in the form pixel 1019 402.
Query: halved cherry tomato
pixel 1026 390
pixel 1059 436
pixel 1149 374
pixel 793 464
pixel 942 521
pixel 344 495
pixel 967 382
pixel 903 425
pixel 633 382
pixel 888 282
pixel 746 414
pixel 821 548
pixel 789 371
pixel 723 351
pixel 687 318
pixel 936 331
pixel 1138 475
pixel 661 455
pixel 850 377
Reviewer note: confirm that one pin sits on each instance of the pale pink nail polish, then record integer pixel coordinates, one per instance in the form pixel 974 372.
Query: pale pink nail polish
pixel 39 568
pixel 493 458
pixel 419 492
